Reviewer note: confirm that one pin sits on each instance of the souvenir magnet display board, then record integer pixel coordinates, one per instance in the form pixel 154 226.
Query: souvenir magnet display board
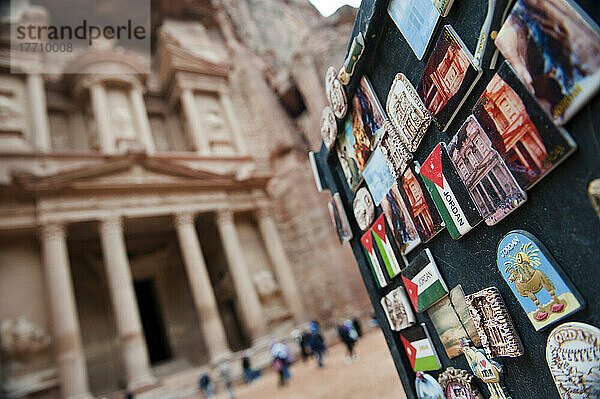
pixel 558 210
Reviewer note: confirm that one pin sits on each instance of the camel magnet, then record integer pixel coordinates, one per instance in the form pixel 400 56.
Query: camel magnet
pixel 536 280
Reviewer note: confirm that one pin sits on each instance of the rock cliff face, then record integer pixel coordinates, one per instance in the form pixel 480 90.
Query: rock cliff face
pixel 293 45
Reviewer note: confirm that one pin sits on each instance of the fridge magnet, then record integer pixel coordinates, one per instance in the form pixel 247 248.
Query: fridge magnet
pixel 573 355
pixel 443 6
pixel 493 323
pixel 458 384
pixel 378 177
pixel 448 78
pixel 419 349
pixel 335 93
pixel 459 303
pixel 423 281
pixel 364 209
pixel 530 144
pixel 420 205
pixel 347 156
pixel 339 218
pixel 375 259
pixel 356 50
pixel 397 309
pixel 417 21
pixel 427 387
pixel 328 127
pixel 372 112
pixel 449 324
pixel 377 242
pixel 315 170
pixel 559 65
pixel 594 194
pixel 407 112
pixel 395 152
pixel 403 228
pixel 484 173
pixel 535 278
pixel 449 194
pixel 485 369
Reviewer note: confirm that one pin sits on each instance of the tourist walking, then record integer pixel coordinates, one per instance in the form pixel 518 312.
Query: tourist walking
pixel 249 373
pixel 225 373
pixel 281 361
pixel 206 386
pixel 316 343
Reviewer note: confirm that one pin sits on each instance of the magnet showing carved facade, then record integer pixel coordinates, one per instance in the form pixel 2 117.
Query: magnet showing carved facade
pixel 494 326
pixel 448 78
pixel 407 112
pixel 536 280
pixel 458 384
pixel 427 387
pixel 573 355
pixel 449 194
pixel 398 310
pixel 423 281
pixel 335 93
pixel 419 348
pixel 530 144
pixel 484 173
pixel 559 65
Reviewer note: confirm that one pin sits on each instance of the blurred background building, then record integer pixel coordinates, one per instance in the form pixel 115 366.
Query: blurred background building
pixel 152 225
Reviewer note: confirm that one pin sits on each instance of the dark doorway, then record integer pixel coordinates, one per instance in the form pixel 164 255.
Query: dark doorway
pixel 152 322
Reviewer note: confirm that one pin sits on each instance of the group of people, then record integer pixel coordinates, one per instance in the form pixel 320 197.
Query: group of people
pixel 311 344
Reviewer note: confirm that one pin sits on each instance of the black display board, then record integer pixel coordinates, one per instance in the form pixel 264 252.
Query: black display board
pixel 558 211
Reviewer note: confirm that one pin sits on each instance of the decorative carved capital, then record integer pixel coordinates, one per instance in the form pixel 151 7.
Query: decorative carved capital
pixel 112 224
pixel 264 213
pixel 53 232
pixel 184 219
pixel 224 216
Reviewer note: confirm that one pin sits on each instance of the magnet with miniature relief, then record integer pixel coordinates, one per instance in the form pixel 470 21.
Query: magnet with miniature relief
pixel 573 356
pixel 356 51
pixel 485 369
pixel 482 170
pixel 407 112
pixel 535 278
pixel 493 323
pixel 364 209
pixel 395 152
pixel 328 127
pixel 449 194
pixel 458 384
pixel 423 281
pixel 335 93
pixel 398 310
pixel 427 387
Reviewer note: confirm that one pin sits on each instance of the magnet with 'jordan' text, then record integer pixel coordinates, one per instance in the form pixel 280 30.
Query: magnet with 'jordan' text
pixel 449 194
pixel 423 281
pixel 535 278
pixel 573 355
pixel 419 348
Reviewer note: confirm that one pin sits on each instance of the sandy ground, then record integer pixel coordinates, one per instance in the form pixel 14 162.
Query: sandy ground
pixel 373 376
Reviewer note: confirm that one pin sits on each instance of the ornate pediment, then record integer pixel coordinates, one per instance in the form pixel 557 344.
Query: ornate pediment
pixel 132 172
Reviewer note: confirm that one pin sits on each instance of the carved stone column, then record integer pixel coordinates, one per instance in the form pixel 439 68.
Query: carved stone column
pixel 281 264
pixel 204 298
pixel 39 112
pixel 120 284
pixel 247 296
pixel 234 124
pixel 100 109
pixel 199 138
pixel 72 370
pixel 141 118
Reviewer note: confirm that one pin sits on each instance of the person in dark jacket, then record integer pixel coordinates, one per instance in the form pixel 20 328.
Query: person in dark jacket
pixel 249 373
pixel 316 343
